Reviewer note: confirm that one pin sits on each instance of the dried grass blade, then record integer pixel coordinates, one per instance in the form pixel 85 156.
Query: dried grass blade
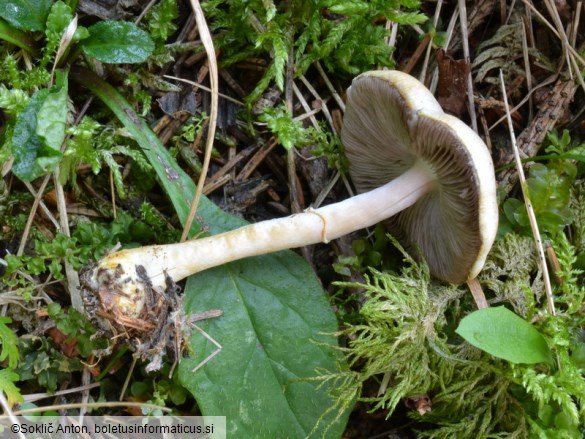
pixel 213 76
pixel 529 209
pixel 466 56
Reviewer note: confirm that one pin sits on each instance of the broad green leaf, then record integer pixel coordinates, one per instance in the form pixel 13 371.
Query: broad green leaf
pixel 33 156
pixel 26 14
pixel 272 337
pixel 503 334
pixel 273 328
pixel 117 42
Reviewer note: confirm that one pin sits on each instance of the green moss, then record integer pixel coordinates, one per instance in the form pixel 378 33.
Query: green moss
pixel 407 342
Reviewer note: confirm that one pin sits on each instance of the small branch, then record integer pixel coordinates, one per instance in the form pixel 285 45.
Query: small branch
pixel 32 214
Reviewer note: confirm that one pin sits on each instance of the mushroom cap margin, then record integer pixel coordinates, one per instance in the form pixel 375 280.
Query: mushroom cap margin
pixel 391 121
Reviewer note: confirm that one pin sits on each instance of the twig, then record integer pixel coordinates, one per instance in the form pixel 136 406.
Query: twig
pixel 203 87
pixel 38 396
pixel 31 215
pixel 325 191
pixel 295 205
pixel 322 102
pixel 450 35
pixel 530 210
pixel 213 77
pixel 66 39
pixel 113 194
pixel 330 86
pixel 42 205
pixel 393 28
pixel 545 120
pixel 561 35
pixel 309 113
pixel 418 52
pixel 86 383
pixel 128 376
pixel 147 8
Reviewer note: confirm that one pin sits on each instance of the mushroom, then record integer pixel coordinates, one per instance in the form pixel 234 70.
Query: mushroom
pixel 393 126
pixel 423 172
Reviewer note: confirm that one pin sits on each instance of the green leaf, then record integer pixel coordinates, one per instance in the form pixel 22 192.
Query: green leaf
pixel 272 337
pixel 32 158
pixel 117 42
pixel 8 343
pixel 59 17
pixel 52 116
pixel 26 14
pixel 39 131
pixel 57 22
pixel 7 380
pixel 503 334
pixel 275 315
pixel 18 38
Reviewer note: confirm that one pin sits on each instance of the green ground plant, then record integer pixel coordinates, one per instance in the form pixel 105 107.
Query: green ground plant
pixel 550 186
pixel 405 338
pixel 344 40
pixel 41 136
pixel 407 341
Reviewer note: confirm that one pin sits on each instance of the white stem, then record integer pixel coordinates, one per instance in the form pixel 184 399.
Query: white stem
pixel 310 227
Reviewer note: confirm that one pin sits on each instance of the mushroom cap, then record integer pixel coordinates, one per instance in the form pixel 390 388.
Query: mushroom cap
pixel 391 122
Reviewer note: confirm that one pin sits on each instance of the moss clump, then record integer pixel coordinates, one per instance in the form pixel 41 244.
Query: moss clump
pixel 407 341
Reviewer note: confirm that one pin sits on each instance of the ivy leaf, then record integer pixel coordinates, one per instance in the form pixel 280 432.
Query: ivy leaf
pixel 26 14
pixel 8 343
pixel 7 380
pixel 503 334
pixel 117 42
pixel 39 131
